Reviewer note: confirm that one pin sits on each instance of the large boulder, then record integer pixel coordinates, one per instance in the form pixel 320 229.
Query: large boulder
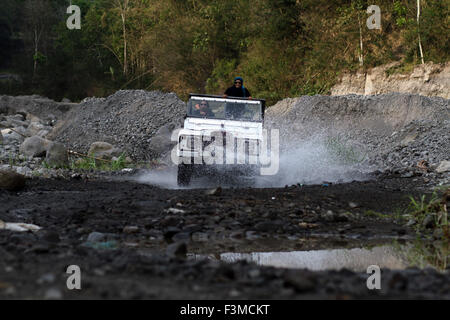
pixel 35 146
pixel 104 150
pixel 11 181
pixel 56 155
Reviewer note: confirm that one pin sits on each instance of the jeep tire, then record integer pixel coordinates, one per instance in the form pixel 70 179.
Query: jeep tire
pixel 184 175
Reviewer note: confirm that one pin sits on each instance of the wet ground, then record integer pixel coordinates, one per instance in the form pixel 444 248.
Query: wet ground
pixel 134 240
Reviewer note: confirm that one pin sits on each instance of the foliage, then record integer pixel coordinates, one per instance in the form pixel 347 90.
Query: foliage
pixel 90 163
pixel 435 208
pixel 423 254
pixel 280 47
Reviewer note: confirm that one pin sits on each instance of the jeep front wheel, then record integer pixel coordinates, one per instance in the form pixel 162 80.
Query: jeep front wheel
pixel 184 175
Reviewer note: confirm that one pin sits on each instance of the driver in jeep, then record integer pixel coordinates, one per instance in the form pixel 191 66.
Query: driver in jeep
pixel 203 110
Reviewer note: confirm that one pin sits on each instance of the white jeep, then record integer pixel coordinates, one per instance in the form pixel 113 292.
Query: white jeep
pixel 220 134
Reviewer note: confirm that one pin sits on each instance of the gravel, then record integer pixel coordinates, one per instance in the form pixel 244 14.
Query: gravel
pixel 401 133
pixel 128 119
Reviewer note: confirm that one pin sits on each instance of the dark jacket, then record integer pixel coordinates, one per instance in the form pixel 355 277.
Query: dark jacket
pixel 237 92
pixel 209 114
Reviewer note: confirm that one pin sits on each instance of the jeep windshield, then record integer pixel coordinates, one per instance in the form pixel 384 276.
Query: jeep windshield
pixel 225 109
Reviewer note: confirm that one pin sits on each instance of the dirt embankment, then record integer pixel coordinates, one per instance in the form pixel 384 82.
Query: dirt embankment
pixel 428 80
pixel 38 106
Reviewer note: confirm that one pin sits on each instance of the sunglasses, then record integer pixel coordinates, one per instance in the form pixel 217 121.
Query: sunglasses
pixel 203 104
pixel 237 82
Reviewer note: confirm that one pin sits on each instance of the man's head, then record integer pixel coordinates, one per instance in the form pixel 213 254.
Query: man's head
pixel 204 108
pixel 238 82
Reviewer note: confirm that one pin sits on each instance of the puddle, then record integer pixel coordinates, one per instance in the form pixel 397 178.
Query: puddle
pixel 357 259
pixel 324 254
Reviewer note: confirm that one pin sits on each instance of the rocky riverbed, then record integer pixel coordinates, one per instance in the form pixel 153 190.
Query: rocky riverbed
pixel 348 174
pixel 134 241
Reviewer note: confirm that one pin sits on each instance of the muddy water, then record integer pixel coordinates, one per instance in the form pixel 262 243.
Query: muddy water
pixel 356 259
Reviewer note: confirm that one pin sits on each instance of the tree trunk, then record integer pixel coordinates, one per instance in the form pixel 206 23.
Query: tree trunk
pixel 418 31
pixel 361 57
pixel 123 7
pixel 35 54
pixel 125 60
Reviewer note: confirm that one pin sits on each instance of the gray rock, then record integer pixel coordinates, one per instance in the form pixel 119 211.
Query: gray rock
pixel 11 181
pixel 37 129
pixel 96 237
pixel 19 116
pixel 177 249
pixel 27 172
pixel 214 192
pixel 353 205
pixel 14 122
pixel 35 146
pixel 104 150
pixel 408 174
pixel 56 155
pixel 444 166
pixel 10 137
pixel 131 229
pixel 252 235
pixel 329 216
pixel 342 217
pixel 161 142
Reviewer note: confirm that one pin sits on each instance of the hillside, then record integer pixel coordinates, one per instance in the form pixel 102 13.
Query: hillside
pixel 282 48
pixel 428 80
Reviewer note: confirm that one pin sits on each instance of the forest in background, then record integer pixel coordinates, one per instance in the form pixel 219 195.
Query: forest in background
pixel 282 48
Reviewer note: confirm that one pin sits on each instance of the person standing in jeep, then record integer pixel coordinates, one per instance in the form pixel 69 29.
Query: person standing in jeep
pixel 238 90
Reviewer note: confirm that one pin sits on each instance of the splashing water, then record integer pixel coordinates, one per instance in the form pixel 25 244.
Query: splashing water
pixel 313 161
